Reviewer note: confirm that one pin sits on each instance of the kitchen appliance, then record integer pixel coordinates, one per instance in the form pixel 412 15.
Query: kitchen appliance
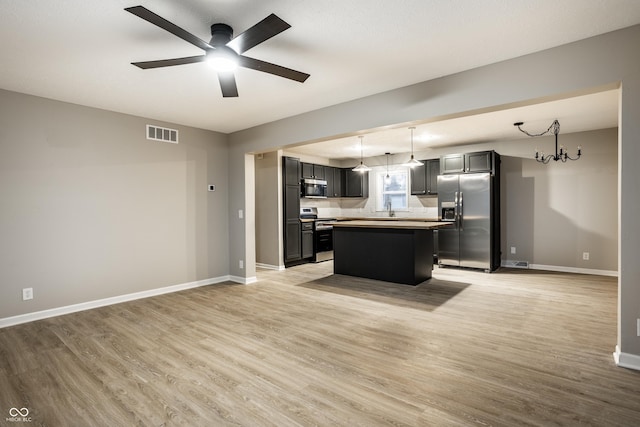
pixel 322 234
pixel 314 188
pixel 471 202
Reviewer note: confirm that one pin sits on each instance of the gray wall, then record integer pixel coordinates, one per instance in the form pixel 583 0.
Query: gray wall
pixel 268 183
pixel 589 65
pixel 92 209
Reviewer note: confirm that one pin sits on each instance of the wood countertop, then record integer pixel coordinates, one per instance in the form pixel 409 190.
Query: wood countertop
pixel 387 218
pixel 403 224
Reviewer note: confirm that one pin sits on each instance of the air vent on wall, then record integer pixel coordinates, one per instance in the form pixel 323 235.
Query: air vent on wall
pixel 156 133
pixel 516 264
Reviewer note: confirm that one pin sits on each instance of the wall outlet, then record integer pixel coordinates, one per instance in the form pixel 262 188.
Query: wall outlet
pixel 241 264
pixel 212 187
pixel 27 294
pixel 585 256
pixel 240 214
pixel 638 328
pixel 513 250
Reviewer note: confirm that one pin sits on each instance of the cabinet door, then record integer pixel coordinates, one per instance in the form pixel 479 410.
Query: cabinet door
pixel 292 246
pixel 291 171
pixel 332 176
pixel 307 170
pixel 319 171
pixel 479 162
pixel 433 170
pixel 452 163
pixel 418 179
pixel 356 184
pixel 307 244
pixel 338 182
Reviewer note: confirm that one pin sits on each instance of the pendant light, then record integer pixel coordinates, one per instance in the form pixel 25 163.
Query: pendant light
pixel 361 167
pixel 387 177
pixel 412 163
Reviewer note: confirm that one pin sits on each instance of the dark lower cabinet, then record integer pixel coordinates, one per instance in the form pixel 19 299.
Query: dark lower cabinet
pixel 292 242
pixel 307 240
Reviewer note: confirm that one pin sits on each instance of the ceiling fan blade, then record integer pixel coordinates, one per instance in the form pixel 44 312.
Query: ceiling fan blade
pixel 267 67
pixel 262 31
pixel 228 85
pixel 151 17
pixel 169 62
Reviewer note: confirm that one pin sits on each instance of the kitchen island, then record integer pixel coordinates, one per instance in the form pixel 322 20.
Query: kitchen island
pixel 399 251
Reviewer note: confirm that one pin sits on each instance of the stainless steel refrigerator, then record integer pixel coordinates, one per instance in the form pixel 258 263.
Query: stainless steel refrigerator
pixel 470 201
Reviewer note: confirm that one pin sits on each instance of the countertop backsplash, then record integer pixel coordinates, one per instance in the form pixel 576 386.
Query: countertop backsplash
pixel 419 207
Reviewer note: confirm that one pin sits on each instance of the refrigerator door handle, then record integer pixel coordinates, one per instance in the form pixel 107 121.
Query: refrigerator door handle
pixel 455 209
pixel 460 210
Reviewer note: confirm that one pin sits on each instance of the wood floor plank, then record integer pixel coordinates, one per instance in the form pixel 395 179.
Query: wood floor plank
pixel 304 347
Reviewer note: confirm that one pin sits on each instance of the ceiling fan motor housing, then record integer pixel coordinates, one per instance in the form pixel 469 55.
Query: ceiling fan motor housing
pixel 221 34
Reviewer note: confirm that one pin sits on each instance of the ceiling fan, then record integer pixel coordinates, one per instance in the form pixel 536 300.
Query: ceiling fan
pixel 223 51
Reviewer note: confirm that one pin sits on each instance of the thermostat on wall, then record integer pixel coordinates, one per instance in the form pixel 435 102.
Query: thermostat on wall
pixel 212 187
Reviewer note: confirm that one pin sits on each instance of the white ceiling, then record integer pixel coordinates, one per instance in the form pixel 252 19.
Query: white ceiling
pixel 576 114
pixel 80 51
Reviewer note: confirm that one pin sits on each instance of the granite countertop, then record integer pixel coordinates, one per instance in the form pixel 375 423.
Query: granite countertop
pixel 405 223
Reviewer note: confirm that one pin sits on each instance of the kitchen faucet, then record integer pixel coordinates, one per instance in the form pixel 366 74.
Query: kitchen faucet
pixel 388 208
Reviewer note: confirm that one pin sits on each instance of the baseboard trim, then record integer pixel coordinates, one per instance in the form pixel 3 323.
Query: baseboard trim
pixel 563 269
pixel 59 311
pixel 626 360
pixel 270 266
pixel 243 280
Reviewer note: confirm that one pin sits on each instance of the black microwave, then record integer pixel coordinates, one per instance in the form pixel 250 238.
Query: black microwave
pixel 314 188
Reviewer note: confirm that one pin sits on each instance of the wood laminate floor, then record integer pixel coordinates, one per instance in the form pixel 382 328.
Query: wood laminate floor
pixel 304 347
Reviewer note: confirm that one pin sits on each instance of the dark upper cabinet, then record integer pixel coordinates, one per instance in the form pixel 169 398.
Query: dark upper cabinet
pixel 418 180
pixel 433 170
pixel 292 230
pixel 310 170
pixel 291 171
pixel 452 163
pixel 333 177
pixel 356 184
pixel 481 161
pixel 424 179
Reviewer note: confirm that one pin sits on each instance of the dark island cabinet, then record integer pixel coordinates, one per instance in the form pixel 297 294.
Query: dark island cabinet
pixel 356 184
pixel 481 161
pixel 424 179
pixel 291 218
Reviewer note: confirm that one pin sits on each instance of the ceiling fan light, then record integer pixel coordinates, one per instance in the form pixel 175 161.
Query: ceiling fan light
pixel 222 59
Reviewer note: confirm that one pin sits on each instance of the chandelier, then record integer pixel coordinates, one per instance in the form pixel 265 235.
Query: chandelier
pixel 559 155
